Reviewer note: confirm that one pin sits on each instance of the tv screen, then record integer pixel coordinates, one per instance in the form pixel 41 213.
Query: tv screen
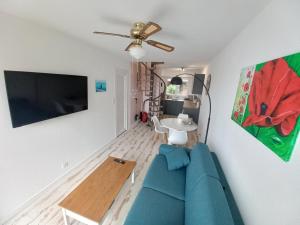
pixel 35 97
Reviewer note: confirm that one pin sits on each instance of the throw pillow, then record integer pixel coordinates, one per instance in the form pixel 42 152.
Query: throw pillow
pixel 177 159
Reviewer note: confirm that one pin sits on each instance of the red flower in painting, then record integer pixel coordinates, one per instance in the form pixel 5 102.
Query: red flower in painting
pixel 241 109
pixel 236 114
pixel 274 98
pixel 249 74
pixel 243 100
pixel 246 87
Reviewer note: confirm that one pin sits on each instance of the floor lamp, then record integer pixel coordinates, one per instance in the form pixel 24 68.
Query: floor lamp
pixel 176 80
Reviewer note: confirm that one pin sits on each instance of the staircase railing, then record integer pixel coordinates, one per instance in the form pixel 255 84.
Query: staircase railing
pixel 154 99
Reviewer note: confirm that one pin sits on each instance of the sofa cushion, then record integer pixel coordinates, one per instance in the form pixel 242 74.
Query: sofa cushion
pixel 177 159
pixel 154 208
pixel 207 204
pixel 164 148
pixel 201 164
pixel 159 178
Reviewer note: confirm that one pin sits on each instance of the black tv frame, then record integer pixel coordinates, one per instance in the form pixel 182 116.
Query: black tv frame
pixel 9 73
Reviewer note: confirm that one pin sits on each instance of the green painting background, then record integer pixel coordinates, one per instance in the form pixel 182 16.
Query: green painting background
pixel 282 146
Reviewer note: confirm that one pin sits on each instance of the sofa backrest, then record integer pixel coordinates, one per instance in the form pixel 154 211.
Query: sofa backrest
pixel 201 164
pixel 205 201
pixel 206 204
pixel 236 215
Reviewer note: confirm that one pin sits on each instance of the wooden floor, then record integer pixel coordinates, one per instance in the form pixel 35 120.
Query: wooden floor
pixel 136 144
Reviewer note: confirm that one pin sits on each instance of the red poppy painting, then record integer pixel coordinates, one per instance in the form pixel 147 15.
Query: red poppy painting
pixel 267 103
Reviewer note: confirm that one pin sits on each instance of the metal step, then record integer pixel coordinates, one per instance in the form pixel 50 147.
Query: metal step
pixel 153 85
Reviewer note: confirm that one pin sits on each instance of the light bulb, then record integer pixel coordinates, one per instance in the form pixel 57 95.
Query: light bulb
pixel 137 52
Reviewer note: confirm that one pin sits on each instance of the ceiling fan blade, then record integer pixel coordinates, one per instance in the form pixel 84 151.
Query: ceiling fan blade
pixel 149 29
pixel 129 46
pixel 112 34
pixel 162 46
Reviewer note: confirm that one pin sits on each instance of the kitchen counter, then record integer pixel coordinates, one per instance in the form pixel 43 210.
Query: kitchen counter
pixel 174 107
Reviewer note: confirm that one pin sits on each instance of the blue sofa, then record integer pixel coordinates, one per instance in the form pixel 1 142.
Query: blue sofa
pixel 194 195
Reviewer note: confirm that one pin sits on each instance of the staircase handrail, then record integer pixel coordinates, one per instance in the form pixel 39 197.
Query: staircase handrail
pixel 159 77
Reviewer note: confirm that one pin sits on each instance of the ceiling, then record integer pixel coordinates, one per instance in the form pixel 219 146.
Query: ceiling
pixel 198 29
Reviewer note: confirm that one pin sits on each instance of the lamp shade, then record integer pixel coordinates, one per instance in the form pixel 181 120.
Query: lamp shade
pixel 137 52
pixel 176 81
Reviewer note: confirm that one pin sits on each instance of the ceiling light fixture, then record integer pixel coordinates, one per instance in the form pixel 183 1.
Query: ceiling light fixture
pixel 137 52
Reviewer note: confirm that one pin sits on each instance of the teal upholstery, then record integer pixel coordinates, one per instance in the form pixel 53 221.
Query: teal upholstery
pixel 176 159
pixel 154 208
pixel 201 164
pixel 206 204
pixel 236 215
pixel 164 148
pixel 194 195
pixel 159 178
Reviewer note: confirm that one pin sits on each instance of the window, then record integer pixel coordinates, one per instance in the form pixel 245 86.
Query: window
pixel 178 89
pixel 173 89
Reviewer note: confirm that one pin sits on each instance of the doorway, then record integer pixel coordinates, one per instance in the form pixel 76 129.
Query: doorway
pixel 121 81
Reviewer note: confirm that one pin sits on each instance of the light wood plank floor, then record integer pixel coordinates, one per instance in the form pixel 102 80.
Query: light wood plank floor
pixel 136 144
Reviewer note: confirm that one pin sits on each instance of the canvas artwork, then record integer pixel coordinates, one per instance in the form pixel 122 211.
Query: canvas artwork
pixel 100 86
pixel 267 103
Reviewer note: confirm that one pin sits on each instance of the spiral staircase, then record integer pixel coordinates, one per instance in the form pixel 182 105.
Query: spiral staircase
pixel 153 88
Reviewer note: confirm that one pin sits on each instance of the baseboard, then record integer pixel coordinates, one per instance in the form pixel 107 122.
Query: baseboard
pixel 54 184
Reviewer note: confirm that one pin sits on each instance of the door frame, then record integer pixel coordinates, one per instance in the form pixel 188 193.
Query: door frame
pixel 125 74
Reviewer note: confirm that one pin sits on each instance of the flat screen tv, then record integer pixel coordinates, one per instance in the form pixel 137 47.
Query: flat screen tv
pixel 35 97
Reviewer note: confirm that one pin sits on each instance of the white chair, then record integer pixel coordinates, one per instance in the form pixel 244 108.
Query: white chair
pixel 183 116
pixel 177 137
pixel 160 130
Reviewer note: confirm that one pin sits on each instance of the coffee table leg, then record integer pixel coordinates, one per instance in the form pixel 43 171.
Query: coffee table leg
pixel 132 177
pixel 66 219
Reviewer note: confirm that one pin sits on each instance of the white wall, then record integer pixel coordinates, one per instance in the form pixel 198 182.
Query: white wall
pixel 267 189
pixel 135 93
pixel 31 156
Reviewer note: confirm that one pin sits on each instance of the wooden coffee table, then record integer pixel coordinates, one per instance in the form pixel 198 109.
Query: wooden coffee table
pixel 91 200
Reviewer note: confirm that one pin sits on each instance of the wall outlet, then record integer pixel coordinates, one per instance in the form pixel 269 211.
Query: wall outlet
pixel 65 165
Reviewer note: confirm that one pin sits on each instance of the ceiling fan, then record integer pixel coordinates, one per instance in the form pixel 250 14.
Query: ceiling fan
pixel 140 33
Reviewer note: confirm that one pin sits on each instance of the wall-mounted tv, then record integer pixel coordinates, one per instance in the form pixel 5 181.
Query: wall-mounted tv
pixel 35 97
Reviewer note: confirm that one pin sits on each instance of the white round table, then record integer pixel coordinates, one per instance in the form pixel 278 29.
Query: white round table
pixel 177 124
